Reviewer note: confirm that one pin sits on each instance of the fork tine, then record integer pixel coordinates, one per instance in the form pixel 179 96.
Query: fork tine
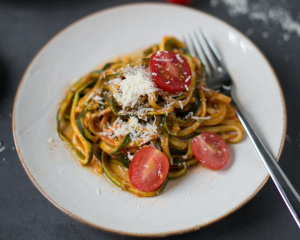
pixel 201 55
pixel 208 60
pixel 187 46
pixel 214 53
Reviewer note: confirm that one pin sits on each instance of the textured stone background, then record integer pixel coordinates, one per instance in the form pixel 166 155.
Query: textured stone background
pixel 25 26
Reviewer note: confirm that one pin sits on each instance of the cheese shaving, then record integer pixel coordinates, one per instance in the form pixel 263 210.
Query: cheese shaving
pixel 141 133
pixel 98 99
pixel 130 157
pixel 179 58
pixel 186 80
pixel 163 60
pixel 180 103
pixel 137 83
pixel 202 118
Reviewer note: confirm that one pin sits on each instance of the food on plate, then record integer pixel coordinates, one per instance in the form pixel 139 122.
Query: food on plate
pixel 211 150
pixel 147 117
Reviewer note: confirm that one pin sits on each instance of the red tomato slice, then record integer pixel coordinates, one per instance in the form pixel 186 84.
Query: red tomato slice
pixel 170 71
pixel 180 1
pixel 148 169
pixel 211 150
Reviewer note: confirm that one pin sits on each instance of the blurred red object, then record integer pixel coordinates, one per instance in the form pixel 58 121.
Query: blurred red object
pixel 180 1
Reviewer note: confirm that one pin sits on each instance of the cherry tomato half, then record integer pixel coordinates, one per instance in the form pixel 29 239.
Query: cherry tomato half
pixel 170 71
pixel 211 150
pixel 148 169
pixel 180 1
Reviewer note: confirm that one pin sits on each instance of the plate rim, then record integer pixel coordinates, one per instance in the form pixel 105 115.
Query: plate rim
pixel 134 234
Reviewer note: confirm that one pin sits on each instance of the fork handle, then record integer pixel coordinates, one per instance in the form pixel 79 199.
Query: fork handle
pixel 285 188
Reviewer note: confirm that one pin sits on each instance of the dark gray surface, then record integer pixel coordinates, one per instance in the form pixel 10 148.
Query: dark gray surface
pixel 25 26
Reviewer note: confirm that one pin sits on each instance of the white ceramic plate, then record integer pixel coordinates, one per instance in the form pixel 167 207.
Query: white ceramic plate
pixel 191 202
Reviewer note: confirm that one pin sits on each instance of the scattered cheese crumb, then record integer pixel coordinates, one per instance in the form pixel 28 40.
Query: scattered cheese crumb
pixel 98 191
pixel 121 169
pixel 92 94
pixel 265 35
pixel 129 156
pixel 249 32
pixel 2 148
pixel 286 37
pixel 190 199
pixel 187 79
pixel 138 207
pixel 179 58
pixel 186 87
pixel 201 118
pixel 98 99
pixel 50 140
pixel 214 3
pixel 163 60
pixel 236 7
pixel 152 144
pixel 180 103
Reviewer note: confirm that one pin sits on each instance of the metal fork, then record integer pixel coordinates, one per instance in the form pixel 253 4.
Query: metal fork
pixel 219 79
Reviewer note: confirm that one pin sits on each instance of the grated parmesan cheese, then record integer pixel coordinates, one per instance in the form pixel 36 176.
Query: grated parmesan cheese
pixel 141 133
pixel 163 60
pixel 179 58
pixel 202 118
pixel 2 148
pixel 152 144
pixel 188 78
pixel 129 156
pixel 181 105
pixel 186 87
pixel 90 97
pixel 137 83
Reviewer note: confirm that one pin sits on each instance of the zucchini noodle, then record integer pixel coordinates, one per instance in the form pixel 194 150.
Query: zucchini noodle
pixel 105 118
